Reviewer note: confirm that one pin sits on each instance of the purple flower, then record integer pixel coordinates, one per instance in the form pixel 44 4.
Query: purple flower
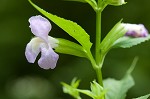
pixel 43 43
pixel 136 30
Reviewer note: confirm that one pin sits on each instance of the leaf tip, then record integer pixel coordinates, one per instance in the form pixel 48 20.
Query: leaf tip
pixel 134 62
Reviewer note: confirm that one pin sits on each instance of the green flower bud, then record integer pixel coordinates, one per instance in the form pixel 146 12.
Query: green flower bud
pixel 116 2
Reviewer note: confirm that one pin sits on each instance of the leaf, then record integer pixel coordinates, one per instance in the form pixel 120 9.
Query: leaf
pixel 127 42
pixel 97 91
pixel 70 27
pixel 143 97
pixel 90 2
pixel 72 89
pixel 115 33
pixel 71 48
pixel 75 83
pixel 86 92
pixel 117 89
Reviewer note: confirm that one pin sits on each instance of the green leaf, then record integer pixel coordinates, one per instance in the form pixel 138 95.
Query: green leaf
pixel 86 92
pixel 143 97
pixel 90 2
pixel 70 27
pixel 117 89
pixel 72 89
pixel 127 42
pixel 71 48
pixel 75 83
pixel 96 88
pixel 116 32
pixel 97 91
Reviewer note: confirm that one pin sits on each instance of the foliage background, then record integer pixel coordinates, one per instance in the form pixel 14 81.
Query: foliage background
pixel 21 80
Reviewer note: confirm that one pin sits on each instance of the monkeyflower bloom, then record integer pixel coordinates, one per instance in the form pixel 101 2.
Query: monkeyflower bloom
pixel 43 43
pixel 135 30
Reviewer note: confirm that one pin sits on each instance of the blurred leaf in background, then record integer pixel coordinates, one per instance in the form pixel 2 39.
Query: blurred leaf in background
pixel 30 88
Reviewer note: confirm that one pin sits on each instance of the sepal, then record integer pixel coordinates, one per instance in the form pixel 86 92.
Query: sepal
pixel 71 48
pixel 116 2
pixel 115 33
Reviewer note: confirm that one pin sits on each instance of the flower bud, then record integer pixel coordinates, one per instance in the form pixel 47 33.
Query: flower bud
pixel 116 2
pixel 135 30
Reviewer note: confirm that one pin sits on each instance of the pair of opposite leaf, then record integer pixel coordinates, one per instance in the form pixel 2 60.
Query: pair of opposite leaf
pixel 44 43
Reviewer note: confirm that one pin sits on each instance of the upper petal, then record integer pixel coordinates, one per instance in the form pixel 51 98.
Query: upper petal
pixel 40 26
pixel 48 58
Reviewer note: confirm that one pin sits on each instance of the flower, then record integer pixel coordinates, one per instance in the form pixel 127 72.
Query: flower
pixel 135 30
pixel 43 43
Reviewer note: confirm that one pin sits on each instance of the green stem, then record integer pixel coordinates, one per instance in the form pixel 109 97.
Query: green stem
pixel 99 76
pixel 97 52
pixel 98 36
pixel 96 68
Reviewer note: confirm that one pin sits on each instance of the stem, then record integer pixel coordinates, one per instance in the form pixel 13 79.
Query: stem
pixel 99 76
pixel 98 41
pixel 98 36
pixel 96 68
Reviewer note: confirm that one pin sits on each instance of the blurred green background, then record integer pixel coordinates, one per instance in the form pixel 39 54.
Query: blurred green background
pixel 21 80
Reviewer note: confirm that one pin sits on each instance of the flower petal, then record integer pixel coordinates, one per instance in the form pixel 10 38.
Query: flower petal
pixel 136 30
pixel 30 53
pixel 40 26
pixel 48 58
